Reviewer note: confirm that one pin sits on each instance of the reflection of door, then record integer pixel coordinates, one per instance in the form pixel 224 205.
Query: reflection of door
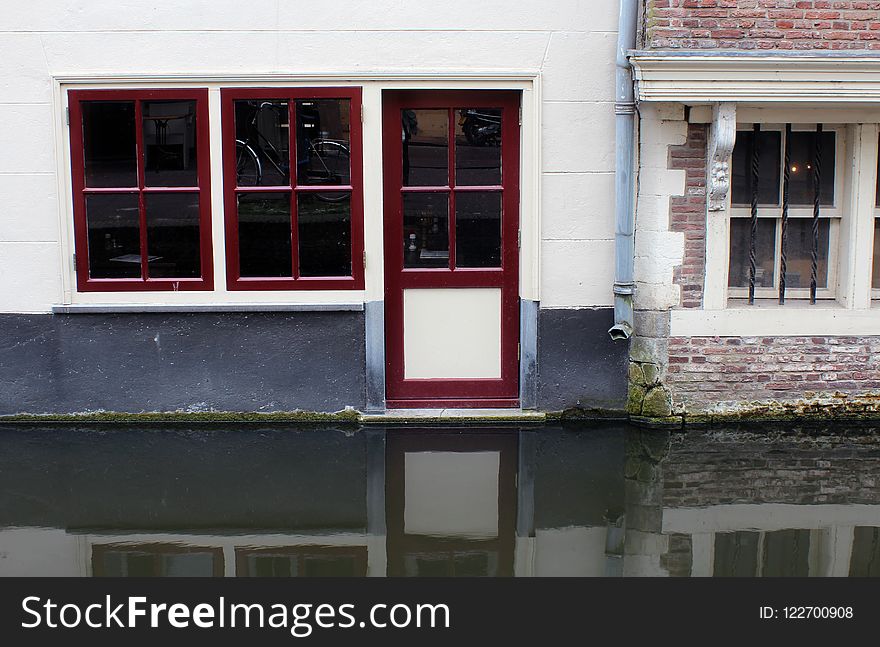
pixel 451 503
pixel 451 164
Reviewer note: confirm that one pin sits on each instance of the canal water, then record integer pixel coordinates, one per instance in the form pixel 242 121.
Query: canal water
pixel 573 500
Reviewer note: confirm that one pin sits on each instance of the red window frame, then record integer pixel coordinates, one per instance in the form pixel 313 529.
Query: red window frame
pixel 234 280
pixel 84 282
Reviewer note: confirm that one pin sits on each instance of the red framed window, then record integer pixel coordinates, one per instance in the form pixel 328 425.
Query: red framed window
pixel 141 189
pixel 293 188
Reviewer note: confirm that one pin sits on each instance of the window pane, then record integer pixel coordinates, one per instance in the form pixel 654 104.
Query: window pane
pixel 877 193
pixel 113 223
pixel 478 229
pixel 478 146
pixel 264 234
pixel 170 157
pixel 765 251
pixel 323 141
pixel 798 253
pixel 173 235
pixel 865 560
pixel 803 147
pixel 786 553
pixel 109 143
pixel 330 566
pixel 736 554
pixel 262 143
pixel 271 566
pixel 769 167
pixel 425 230
pixel 425 147
pixel 875 282
pixel 324 221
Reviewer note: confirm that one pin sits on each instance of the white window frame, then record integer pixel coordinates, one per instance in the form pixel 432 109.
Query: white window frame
pixel 834 212
pixel 850 312
pixel 875 291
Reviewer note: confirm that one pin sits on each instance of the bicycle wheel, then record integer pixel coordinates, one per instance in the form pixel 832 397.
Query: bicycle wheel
pixel 248 170
pixel 328 163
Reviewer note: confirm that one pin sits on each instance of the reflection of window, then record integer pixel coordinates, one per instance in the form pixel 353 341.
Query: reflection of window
pixel 140 173
pixel 776 241
pixel 156 560
pixel 781 553
pixel 293 188
pixel 452 563
pixel 865 559
pixel 302 561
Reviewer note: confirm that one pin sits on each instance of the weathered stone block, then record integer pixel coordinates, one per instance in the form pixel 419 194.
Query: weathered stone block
pixel 657 403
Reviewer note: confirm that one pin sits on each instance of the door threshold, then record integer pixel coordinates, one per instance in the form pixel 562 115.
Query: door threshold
pixel 453 415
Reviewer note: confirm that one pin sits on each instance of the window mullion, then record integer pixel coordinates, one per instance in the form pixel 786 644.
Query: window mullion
pixel 141 180
pixel 292 181
pixel 857 228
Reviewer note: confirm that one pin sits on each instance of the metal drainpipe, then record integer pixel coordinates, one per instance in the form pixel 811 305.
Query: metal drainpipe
pixel 624 216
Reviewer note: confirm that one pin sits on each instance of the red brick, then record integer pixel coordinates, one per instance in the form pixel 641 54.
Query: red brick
pixel 764 24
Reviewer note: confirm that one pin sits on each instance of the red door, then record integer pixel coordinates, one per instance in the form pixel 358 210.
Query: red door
pixel 451 165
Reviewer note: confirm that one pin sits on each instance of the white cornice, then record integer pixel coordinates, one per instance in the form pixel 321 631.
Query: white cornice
pixel 701 77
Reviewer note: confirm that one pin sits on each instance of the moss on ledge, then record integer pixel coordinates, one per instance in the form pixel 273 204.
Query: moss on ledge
pixel 348 416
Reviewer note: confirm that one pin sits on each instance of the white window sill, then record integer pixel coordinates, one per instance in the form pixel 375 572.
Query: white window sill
pixel 795 318
pixel 115 308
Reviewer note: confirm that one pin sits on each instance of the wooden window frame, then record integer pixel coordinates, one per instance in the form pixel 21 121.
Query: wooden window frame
pixel 833 212
pixel 234 280
pixel 84 282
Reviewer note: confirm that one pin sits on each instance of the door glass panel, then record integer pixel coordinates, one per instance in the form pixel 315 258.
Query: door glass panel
pixel 262 142
pixel 765 252
pixel 170 143
pixel 478 146
pixel 324 221
pixel 323 141
pixel 425 147
pixel 264 234
pixel 173 235
pixel 113 223
pixel 425 230
pixel 478 229
pixel 109 143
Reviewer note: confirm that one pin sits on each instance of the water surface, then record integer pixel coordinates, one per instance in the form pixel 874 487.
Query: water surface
pixel 573 500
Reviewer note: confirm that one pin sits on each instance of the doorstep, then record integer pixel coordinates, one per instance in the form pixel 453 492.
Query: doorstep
pixel 452 416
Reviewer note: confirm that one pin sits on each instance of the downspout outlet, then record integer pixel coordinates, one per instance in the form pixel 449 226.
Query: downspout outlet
pixel 620 331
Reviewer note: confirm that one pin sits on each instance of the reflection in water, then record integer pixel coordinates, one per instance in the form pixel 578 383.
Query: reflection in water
pixel 532 501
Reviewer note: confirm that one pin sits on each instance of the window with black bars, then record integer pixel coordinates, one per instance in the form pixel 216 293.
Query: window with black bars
pixel 875 274
pixel 784 213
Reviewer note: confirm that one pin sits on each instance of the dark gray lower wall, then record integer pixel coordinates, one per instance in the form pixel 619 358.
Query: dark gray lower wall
pixel 578 364
pixel 167 362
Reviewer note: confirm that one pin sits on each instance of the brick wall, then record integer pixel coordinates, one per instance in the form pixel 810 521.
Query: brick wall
pixel 688 214
pixel 763 24
pixel 711 469
pixel 830 374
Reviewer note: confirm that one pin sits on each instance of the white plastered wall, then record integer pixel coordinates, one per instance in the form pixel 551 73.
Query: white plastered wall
pixel 567 54
pixel 658 250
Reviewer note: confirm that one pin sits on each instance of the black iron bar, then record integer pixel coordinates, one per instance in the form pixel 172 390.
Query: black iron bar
pixel 786 177
pixel 817 177
pixel 753 234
